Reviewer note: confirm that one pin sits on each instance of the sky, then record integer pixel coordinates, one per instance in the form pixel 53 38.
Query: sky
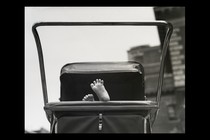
pixel 63 45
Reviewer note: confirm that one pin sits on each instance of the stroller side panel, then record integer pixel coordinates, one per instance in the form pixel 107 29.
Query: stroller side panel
pixel 102 123
pixel 123 124
pixel 77 124
pixel 101 117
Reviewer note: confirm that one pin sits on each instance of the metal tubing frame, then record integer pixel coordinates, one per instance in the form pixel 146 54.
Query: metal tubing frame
pixel 169 31
pixel 150 23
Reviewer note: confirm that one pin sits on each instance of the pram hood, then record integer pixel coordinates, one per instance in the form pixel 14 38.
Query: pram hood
pixel 102 67
pixel 123 80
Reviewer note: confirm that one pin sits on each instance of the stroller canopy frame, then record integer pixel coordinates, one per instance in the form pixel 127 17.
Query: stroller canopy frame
pixel 149 23
pixel 140 105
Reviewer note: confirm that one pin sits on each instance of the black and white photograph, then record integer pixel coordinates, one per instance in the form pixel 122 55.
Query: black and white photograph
pixel 104 69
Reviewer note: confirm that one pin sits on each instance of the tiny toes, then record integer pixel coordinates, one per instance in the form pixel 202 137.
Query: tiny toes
pixel 84 98
pixel 88 97
pixel 101 81
pixel 94 82
pixel 92 85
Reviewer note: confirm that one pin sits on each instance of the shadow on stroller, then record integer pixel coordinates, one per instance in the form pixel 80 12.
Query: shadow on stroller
pixel 128 111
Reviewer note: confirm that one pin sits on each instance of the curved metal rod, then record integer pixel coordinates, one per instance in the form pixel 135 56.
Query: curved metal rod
pixel 162 61
pixel 162 66
pixel 41 64
pixel 144 23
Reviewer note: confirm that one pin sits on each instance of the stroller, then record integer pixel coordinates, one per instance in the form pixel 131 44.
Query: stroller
pixel 128 111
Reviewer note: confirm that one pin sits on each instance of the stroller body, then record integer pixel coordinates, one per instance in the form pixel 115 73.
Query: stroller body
pixel 127 112
pixel 125 83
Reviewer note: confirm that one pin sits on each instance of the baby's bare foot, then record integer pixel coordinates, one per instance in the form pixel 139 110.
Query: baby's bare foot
pixel 88 97
pixel 98 87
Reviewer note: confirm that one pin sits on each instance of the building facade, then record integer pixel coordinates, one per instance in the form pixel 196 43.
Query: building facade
pixel 149 57
pixel 176 55
pixel 171 118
